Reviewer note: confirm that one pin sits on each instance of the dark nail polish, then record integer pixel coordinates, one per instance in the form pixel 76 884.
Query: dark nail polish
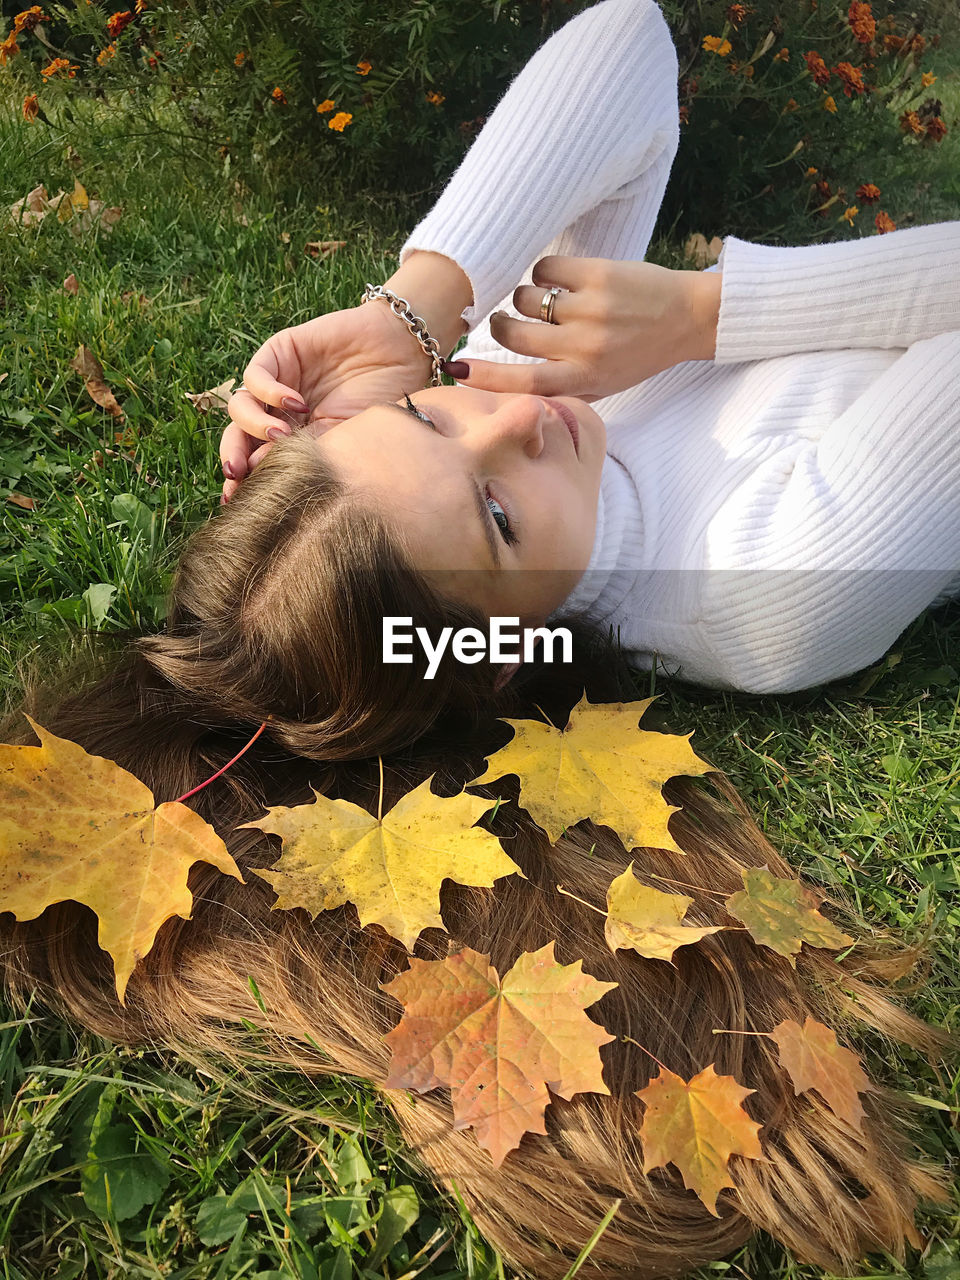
pixel 294 406
pixel 277 433
pixel 228 471
pixel 456 369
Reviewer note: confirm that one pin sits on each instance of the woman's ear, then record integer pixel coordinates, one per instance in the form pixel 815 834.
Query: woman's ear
pixel 506 674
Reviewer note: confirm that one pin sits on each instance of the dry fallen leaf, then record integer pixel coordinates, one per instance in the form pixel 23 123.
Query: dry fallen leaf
pixel 814 1059
pixel 700 252
pixel 782 914
pixel 602 767
pixel 648 920
pixel 77 826
pixel 91 370
pixel 20 500
pixel 498 1045
pixel 216 398
pixel 72 284
pixel 321 249
pixel 697 1125
pixel 336 852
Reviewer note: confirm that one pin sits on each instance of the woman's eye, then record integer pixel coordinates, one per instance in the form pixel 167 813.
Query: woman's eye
pixel 502 521
pixel 417 413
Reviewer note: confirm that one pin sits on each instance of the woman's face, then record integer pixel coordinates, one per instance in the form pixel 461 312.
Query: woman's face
pixel 493 497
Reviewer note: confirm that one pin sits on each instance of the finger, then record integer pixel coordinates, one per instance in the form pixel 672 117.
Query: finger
pixel 230 487
pixel 528 300
pixel 529 338
pixel 550 378
pixel 262 385
pixel 250 415
pixel 235 449
pixel 566 271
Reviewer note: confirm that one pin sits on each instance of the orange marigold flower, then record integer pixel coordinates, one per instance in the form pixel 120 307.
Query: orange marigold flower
pixel 867 193
pixel 339 121
pixel 714 44
pixel 862 22
pixel 326 105
pixel 435 98
pixel 852 78
pixel 117 21
pixel 916 45
pixel 811 172
pixel 848 215
pixel 152 62
pixel 31 107
pixel 279 96
pixel 893 44
pixel 817 68
pixel 684 114
pixel 106 54
pixel 927 79
pixel 910 122
pixel 936 129
pixel 736 14
pixel 883 222
pixel 140 6
pixel 822 188
pixel 364 68
pixel 28 19
pixel 782 56
pixel 791 105
pixel 59 64
pixel 8 49
pixel 829 104
pixel 240 58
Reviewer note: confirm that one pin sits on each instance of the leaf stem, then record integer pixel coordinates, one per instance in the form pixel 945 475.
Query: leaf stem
pixel 214 777
pixel 583 903
pixel 631 1040
pixel 380 796
pixel 723 1031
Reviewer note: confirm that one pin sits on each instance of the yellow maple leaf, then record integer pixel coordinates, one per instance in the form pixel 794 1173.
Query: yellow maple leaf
pixel 74 826
pixel 697 1125
pixel 602 767
pixel 648 920
pixel 390 868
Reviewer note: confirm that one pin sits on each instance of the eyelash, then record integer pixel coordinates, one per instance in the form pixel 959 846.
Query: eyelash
pixel 506 530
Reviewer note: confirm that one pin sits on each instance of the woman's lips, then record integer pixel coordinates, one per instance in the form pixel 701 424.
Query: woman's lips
pixel 569 418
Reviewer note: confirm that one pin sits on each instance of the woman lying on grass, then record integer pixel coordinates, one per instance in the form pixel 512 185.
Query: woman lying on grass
pixel 276 611
pixel 765 487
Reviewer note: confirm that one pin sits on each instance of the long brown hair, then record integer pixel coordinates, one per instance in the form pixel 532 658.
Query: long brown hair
pixel 268 577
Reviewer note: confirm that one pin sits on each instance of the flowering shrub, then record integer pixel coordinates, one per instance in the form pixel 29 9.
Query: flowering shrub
pixel 796 119
pixel 790 114
pixel 385 94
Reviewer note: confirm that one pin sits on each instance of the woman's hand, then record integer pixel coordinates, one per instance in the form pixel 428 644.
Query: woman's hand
pixel 322 371
pixel 619 323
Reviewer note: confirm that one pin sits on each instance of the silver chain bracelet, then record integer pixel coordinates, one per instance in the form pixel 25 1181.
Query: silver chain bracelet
pixel 403 311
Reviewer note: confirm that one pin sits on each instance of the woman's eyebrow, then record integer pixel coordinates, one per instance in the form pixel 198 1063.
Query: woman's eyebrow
pixel 483 511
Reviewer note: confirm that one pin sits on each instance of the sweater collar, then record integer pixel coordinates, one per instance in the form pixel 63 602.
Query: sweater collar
pixel 616 542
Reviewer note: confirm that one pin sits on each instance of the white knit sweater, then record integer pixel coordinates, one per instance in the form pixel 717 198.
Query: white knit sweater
pixel 771 519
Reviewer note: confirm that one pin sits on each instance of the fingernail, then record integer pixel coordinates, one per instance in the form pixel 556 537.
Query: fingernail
pixel 277 433
pixel 456 369
pixel 223 500
pixel 228 471
pixel 294 405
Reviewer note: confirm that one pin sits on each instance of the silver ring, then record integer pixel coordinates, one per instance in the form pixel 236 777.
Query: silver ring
pixel 547 304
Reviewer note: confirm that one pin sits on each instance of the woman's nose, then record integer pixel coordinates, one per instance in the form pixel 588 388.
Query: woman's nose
pixel 518 422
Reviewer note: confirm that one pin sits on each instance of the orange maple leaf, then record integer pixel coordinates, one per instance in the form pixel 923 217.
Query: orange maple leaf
pixel 498 1045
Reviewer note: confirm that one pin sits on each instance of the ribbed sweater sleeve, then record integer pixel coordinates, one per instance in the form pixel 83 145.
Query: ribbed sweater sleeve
pixel 883 291
pixel 833 546
pixel 586 115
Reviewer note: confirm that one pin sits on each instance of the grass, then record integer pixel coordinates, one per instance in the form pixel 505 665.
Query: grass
pixel 212 1175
